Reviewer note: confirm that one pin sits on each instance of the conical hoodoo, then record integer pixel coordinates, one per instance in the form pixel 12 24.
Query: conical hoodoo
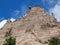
pixel 36 28
pixel 37 13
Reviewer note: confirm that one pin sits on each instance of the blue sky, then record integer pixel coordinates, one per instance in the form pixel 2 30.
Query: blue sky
pixel 16 8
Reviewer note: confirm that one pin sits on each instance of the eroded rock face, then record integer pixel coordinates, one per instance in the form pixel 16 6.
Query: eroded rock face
pixel 36 28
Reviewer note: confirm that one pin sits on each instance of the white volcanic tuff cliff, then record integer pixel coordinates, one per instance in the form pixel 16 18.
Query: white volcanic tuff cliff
pixel 36 26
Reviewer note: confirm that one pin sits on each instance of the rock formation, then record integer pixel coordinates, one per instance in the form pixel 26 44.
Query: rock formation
pixel 36 28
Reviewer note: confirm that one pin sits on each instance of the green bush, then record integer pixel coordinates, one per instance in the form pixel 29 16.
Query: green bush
pixel 10 41
pixel 54 41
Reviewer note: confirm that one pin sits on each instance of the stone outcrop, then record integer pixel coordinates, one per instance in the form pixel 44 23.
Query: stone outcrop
pixel 36 28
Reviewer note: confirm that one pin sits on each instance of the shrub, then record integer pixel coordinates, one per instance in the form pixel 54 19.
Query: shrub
pixel 10 41
pixel 54 41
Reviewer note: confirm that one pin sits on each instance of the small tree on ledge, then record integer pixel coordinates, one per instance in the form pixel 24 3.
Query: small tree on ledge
pixel 10 41
pixel 54 41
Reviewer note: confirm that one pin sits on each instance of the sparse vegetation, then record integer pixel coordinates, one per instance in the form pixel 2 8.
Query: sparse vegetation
pixel 8 33
pixel 54 41
pixel 10 41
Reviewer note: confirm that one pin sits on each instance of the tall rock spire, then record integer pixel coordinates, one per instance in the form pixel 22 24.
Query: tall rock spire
pixel 36 28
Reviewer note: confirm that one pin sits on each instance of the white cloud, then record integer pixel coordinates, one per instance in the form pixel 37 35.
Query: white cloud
pixel 12 19
pixel 24 9
pixel 15 13
pixel 56 11
pixel 49 2
pixel 2 23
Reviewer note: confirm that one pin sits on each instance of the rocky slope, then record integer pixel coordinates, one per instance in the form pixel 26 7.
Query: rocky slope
pixel 36 28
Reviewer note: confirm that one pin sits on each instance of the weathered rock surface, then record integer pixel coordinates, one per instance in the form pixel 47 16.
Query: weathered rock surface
pixel 36 28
